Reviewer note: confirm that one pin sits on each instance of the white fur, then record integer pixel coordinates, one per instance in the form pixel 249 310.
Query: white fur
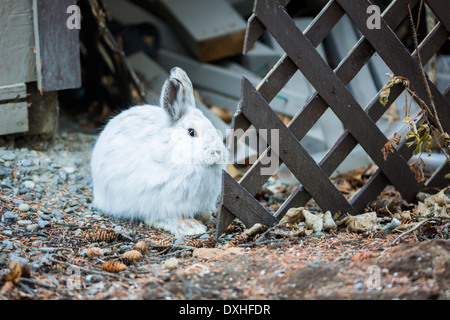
pixel 145 166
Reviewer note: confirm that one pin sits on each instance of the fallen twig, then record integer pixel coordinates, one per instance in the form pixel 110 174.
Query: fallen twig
pixel 410 230
pixel 37 283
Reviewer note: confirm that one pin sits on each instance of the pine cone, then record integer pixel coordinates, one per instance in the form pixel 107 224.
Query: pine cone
pixel 195 243
pixel 113 266
pixel 142 247
pixel 239 239
pixel 210 242
pixel 235 227
pixel 163 242
pixel 94 252
pixel 15 272
pixel 106 235
pixel 132 256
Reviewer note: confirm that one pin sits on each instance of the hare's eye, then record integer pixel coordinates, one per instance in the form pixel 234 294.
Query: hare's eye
pixel 191 132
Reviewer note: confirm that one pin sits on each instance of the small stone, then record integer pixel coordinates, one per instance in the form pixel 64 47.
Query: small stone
pixel 43 223
pixel 9 217
pixel 33 227
pixel 29 184
pixel 14 257
pixel 4 172
pixel 6 183
pixel 26 163
pixel 24 222
pixel 171 263
pixel 62 175
pixel 69 170
pixel 24 207
pixel 8 155
pixel 8 245
pixel 45 216
pixel 18 201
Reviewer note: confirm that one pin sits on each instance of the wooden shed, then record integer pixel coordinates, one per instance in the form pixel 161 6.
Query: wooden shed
pixel 39 55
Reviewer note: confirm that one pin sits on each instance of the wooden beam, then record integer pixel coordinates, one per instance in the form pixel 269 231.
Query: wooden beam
pixel 13 109
pixel 57 47
pixel 205 37
pixel 18 61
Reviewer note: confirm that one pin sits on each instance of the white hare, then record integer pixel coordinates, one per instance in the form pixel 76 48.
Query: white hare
pixel 160 164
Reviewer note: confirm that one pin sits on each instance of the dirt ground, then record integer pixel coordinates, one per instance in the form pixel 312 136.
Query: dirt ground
pixel 80 254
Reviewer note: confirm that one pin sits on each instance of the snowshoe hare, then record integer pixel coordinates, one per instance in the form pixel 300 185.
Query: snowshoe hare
pixel 160 164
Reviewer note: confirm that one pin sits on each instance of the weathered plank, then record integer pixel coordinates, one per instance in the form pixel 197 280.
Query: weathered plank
pixel 219 24
pixel 43 113
pixel 57 47
pixel 18 62
pixel 243 205
pixel 126 12
pixel 13 108
pixel 15 91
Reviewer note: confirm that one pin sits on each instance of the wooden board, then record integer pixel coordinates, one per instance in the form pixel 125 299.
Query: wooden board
pixel 205 25
pixel 13 109
pixel 57 47
pixel 18 62
pixel 126 12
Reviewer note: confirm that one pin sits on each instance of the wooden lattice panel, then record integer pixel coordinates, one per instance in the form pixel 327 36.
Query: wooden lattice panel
pixel 331 91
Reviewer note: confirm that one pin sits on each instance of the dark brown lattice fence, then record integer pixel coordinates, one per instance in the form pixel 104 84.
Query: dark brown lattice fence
pixel 331 92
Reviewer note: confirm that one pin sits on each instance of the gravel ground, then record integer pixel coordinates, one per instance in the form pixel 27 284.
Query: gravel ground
pixel 48 224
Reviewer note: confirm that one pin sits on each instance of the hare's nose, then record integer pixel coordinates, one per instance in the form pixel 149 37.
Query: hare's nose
pixel 218 152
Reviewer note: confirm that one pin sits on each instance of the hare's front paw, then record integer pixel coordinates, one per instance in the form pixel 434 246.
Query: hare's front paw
pixel 204 217
pixel 180 227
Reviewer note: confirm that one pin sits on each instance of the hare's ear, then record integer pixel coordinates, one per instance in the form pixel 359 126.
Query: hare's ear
pixel 177 94
pixel 188 91
pixel 172 99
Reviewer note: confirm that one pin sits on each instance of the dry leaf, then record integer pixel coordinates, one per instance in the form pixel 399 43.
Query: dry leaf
pixel 256 228
pixel 328 222
pixel 293 216
pixel 362 222
pixel 113 266
pixel 313 221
